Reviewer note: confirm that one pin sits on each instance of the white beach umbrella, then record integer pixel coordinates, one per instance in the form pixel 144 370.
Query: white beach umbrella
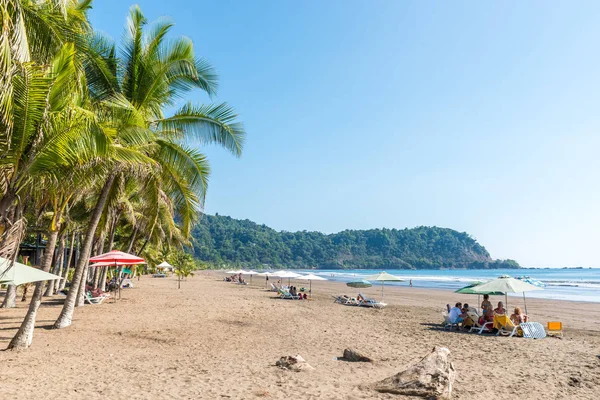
pixel 311 277
pixel 18 273
pixel 267 274
pixel 165 265
pixel 287 274
pixel 383 277
pixel 507 284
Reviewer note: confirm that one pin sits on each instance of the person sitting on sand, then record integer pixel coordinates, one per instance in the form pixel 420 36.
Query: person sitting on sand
pixel 292 290
pixel 486 304
pixel 500 310
pixel 518 316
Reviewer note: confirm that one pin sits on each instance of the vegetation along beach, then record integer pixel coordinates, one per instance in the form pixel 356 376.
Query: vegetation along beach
pixel 311 200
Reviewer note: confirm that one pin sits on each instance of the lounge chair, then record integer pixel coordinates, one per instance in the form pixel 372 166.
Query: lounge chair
pixel 284 294
pixel 477 327
pixel 345 300
pixel 555 328
pixel 341 299
pixel 274 288
pixel 447 323
pixel 504 325
pixel 367 302
pixel 532 330
pixel 95 300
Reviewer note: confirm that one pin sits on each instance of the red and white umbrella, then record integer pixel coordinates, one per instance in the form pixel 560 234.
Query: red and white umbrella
pixel 116 257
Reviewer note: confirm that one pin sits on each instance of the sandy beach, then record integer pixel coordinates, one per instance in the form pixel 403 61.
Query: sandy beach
pixel 212 340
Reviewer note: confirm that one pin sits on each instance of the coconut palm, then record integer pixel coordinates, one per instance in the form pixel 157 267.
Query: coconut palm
pixel 151 75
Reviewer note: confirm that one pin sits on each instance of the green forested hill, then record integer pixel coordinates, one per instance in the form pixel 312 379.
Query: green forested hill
pixel 219 239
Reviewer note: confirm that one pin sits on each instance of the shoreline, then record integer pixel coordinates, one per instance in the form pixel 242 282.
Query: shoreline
pixel 585 289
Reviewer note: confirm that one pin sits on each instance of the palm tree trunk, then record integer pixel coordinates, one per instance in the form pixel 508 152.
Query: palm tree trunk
pixel 24 335
pixel 63 281
pixel 66 315
pixel 10 299
pixel 57 266
pixel 103 278
pixel 61 263
pixel 80 300
pixel 97 271
pixel 132 240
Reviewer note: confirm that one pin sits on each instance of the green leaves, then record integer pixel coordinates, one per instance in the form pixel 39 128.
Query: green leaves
pixel 208 124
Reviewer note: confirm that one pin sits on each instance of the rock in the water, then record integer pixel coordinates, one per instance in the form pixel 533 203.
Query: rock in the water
pixel 294 363
pixel 432 377
pixel 355 356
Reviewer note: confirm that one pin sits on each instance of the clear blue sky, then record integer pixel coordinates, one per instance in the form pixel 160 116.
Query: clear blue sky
pixel 477 116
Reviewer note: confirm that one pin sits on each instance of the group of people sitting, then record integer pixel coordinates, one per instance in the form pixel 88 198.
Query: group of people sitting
pixel 236 278
pixel 465 316
pixel 294 292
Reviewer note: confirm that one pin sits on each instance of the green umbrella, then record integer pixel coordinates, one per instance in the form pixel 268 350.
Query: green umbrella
pixel 18 273
pixel 383 277
pixel 506 284
pixel 469 290
pixel 359 284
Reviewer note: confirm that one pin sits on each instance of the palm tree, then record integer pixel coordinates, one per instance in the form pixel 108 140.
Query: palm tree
pixel 184 266
pixel 152 74
pixel 50 117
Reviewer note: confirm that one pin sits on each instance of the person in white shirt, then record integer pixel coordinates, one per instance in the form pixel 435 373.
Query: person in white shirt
pixel 455 314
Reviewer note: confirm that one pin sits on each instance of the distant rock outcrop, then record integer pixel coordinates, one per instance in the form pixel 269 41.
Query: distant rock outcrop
pixel 220 239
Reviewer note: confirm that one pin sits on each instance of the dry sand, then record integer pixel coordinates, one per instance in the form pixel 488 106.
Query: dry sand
pixel 214 340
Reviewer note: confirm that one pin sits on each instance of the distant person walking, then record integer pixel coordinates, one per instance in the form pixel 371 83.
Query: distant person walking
pixel 410 283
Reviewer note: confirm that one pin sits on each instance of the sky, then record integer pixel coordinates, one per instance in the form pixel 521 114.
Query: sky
pixel 477 116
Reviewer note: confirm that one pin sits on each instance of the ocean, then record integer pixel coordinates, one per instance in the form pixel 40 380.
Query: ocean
pixel 561 284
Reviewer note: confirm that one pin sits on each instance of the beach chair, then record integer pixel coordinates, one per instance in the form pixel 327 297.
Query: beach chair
pixel 367 302
pixel 532 330
pixel 95 300
pixel 555 328
pixel 504 325
pixel 447 323
pixel 284 294
pixel 274 288
pixel 477 327
pixel 341 299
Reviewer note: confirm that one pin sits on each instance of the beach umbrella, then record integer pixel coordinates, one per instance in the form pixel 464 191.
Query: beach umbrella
pixel 165 265
pixel 360 284
pixel 267 273
pixel 311 277
pixel 19 274
pixel 469 290
pixel 383 277
pixel 506 284
pixel 287 274
pixel 116 257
